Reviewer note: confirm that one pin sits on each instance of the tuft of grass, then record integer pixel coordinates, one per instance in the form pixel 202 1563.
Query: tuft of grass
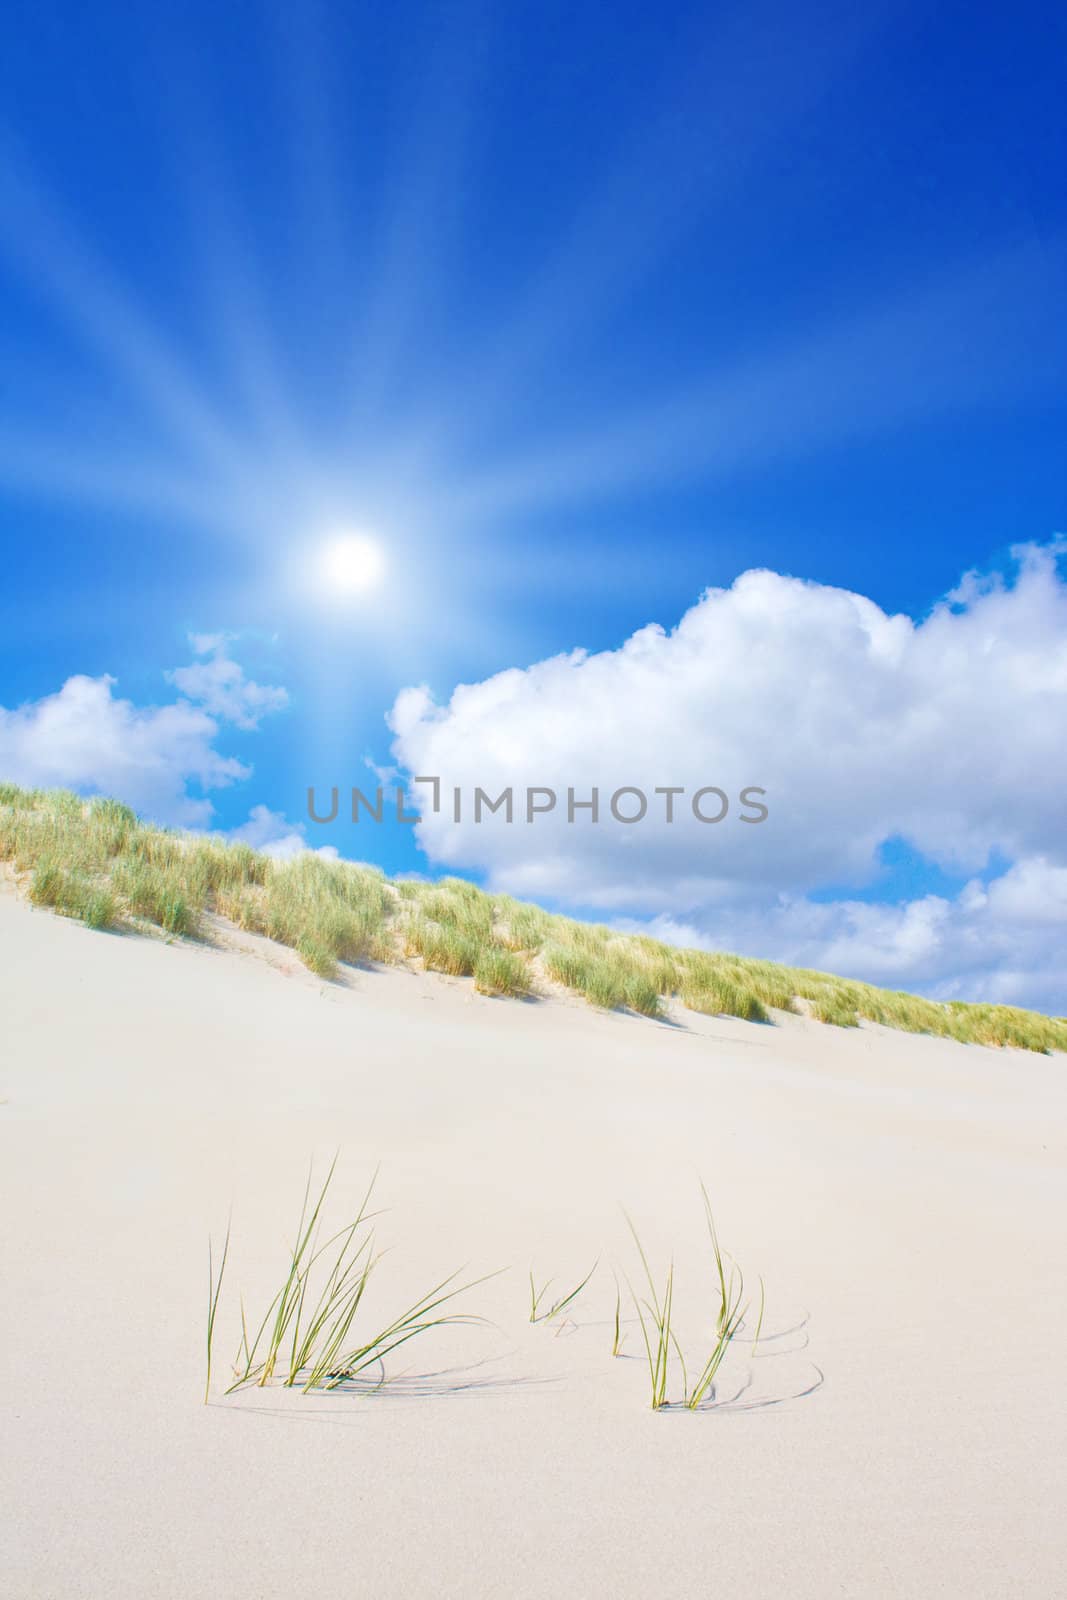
pixel 836 1009
pixel 244 906
pixel 464 909
pixel 72 895
pixel 159 894
pixel 162 848
pixel 307 1336
pixel 327 911
pixel 500 971
pixel 521 927
pixel 98 908
pixel 608 978
pixel 577 969
pixel 774 989
pixel 49 883
pixel 111 824
pixel 443 949
pixel 316 956
pixel 658 961
pixel 656 1313
pixel 642 994
pixel 537 1297
pixel 731 1313
pixel 719 998
pixel 290 1298
pixel 731 986
pixel 616 972
pixel 656 1331
pixel 424 1316
pixel 219 866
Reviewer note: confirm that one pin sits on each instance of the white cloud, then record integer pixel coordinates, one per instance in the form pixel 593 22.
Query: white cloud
pixel 204 644
pixel 220 686
pixel 860 726
pixel 84 737
pixel 272 833
pixel 1002 941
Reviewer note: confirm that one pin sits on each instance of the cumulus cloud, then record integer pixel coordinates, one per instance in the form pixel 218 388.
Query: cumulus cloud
pixel 220 686
pixel 999 941
pixel 84 738
pixel 860 726
pixel 273 834
pixel 87 738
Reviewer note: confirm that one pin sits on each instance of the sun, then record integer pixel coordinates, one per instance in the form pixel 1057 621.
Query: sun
pixel 351 564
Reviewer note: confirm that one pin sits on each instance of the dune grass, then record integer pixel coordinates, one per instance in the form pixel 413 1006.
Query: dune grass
pixel 158 894
pixel 307 1337
pixel 442 947
pixel 214 1289
pixel 730 1316
pixel 835 1008
pixel 656 1317
pixel 96 861
pixel 609 975
pixel 656 1332
pixel 499 971
pixel 548 1313
pixel 72 894
pixel 716 995
pixel 314 1335
pixel 618 1335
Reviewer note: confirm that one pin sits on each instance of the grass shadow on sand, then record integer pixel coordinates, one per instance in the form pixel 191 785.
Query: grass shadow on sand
pixel 446 1383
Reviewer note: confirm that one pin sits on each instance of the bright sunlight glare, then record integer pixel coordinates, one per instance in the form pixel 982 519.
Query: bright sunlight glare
pixel 351 564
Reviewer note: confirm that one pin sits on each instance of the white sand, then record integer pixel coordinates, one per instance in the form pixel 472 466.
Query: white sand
pixel 904 1198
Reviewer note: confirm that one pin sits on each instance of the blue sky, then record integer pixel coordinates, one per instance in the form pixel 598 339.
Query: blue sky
pixel 580 312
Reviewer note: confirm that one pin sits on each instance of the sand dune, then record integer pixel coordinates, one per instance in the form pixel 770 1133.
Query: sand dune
pixel 899 1433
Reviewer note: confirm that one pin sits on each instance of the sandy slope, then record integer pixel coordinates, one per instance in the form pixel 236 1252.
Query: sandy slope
pixel 904 1199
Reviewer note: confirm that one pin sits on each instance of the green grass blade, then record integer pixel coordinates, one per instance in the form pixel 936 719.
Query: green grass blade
pixel 561 1305
pixel 759 1319
pixel 214 1289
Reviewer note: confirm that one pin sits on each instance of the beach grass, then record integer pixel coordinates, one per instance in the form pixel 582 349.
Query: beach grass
pixel 158 894
pixel 214 1290
pixel 501 971
pixel 655 1314
pixel 718 996
pixel 731 1313
pixel 607 974
pixel 307 1337
pixel 96 861
pixel 618 1336
pixel 73 895
pixel 539 1312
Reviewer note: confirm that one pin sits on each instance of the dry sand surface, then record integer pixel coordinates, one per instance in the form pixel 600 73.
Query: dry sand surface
pixel 904 1198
